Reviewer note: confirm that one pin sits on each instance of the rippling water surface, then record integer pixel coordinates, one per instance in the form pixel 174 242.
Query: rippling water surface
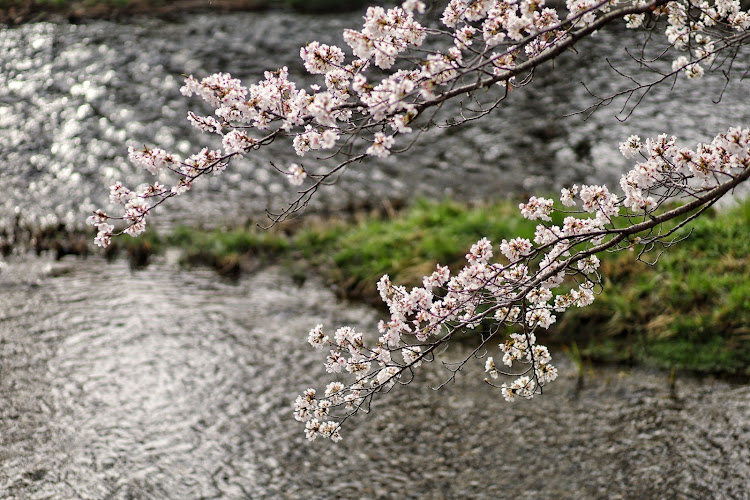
pixel 162 383
pixel 73 97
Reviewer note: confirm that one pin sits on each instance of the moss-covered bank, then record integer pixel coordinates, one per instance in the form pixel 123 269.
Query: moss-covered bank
pixel 690 311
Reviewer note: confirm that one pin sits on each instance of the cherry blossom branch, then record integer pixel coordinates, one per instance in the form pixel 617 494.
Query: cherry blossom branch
pixel 363 111
pixel 519 294
pixel 338 119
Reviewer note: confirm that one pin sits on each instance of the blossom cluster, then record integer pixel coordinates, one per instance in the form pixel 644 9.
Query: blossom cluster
pixel 138 203
pixel 524 291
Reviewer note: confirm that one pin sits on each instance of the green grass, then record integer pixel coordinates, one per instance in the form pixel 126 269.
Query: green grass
pixel 689 311
pixel 406 247
pixel 226 250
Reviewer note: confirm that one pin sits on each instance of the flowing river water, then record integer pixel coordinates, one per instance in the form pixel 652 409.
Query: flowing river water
pixel 171 383
pixel 74 97
pixel 162 383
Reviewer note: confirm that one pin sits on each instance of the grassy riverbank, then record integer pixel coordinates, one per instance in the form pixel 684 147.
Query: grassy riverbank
pixel 690 311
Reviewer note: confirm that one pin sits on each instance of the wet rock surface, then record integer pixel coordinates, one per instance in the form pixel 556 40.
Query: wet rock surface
pixel 162 383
